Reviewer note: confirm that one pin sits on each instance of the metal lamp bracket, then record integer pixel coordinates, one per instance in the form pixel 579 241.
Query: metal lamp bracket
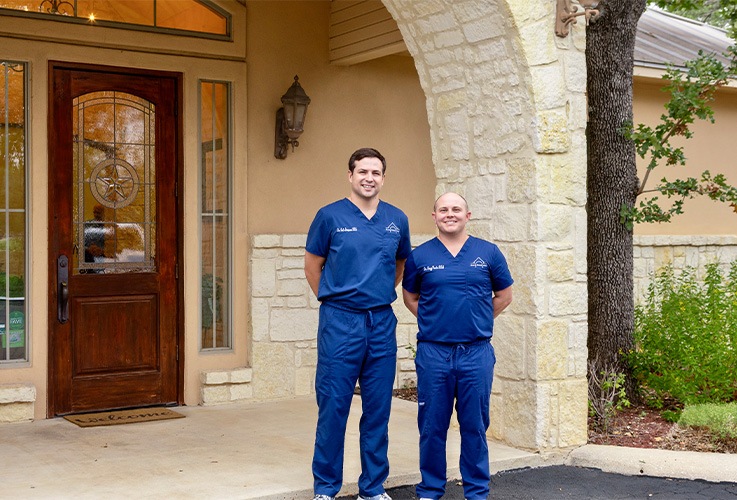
pixel 281 141
pixel 566 13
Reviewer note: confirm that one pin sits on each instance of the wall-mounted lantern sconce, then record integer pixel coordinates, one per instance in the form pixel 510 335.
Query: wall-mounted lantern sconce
pixel 566 13
pixel 290 119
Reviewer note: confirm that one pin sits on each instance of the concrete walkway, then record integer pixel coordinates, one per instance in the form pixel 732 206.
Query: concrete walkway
pixel 259 450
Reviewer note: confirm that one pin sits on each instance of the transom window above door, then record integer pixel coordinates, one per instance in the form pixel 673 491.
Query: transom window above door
pixel 194 17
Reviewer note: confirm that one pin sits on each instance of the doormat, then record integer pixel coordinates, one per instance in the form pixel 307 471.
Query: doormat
pixel 123 417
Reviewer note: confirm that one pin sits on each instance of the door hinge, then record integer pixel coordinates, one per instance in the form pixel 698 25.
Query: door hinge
pixel 176 189
pixel 177 352
pixel 176 271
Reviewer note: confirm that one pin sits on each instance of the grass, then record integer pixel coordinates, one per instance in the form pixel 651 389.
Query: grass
pixel 719 419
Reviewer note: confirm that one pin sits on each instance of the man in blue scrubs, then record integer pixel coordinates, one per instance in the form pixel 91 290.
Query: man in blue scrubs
pixel 356 249
pixel 455 285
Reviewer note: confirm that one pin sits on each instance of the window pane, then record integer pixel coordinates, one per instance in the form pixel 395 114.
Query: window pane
pixel 13 334
pixel 185 15
pixel 114 197
pixel 215 227
pixel 47 7
pixel 189 16
pixel 138 12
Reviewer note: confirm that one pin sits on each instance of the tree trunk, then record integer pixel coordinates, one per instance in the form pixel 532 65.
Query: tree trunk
pixel 611 184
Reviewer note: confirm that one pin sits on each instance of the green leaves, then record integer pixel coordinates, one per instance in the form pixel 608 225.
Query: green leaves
pixel 692 92
pixel 650 210
pixel 686 337
pixel 607 394
pixel 721 13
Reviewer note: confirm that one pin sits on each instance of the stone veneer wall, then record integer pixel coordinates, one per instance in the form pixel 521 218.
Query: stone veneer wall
pixel 17 402
pixel 506 106
pixel 284 315
pixel 652 253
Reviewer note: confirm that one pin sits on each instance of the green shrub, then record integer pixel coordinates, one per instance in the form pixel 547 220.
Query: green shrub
pixel 719 419
pixel 17 285
pixel 686 338
pixel 671 416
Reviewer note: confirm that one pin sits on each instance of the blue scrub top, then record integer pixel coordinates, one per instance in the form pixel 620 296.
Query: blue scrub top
pixel 456 292
pixel 360 253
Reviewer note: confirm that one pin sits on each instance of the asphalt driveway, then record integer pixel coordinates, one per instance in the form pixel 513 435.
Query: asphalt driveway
pixel 561 481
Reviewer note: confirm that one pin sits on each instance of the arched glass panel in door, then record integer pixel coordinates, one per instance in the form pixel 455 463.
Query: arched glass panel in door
pixel 114 188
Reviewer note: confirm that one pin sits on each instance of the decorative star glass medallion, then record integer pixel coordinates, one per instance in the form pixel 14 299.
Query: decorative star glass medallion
pixel 114 183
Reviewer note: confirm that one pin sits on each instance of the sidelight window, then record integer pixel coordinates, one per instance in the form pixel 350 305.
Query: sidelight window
pixel 215 210
pixel 13 140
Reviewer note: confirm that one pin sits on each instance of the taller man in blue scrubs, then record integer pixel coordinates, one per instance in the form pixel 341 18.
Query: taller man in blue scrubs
pixel 456 285
pixel 356 249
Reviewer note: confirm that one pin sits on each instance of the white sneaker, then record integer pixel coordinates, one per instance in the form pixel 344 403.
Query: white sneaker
pixel 323 497
pixel 383 496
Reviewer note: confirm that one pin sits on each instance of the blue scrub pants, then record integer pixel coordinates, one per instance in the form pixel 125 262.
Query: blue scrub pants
pixel 353 345
pixel 461 372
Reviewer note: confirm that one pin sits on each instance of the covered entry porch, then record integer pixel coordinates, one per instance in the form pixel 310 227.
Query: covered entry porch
pixel 242 450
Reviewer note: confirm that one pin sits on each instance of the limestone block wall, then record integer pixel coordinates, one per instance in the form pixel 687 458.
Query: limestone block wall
pixel 284 316
pixel 17 402
pixel 652 253
pixel 225 386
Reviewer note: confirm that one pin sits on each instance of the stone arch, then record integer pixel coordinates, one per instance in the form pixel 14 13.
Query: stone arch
pixel 506 106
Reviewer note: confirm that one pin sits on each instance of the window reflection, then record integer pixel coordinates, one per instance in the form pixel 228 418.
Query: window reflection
pixel 13 334
pixel 185 15
pixel 114 204
pixel 215 213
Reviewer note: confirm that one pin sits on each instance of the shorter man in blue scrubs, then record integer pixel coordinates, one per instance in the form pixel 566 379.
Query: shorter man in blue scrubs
pixel 356 248
pixel 455 285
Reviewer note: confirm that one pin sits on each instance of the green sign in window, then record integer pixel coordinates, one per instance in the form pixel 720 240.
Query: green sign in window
pixel 17 330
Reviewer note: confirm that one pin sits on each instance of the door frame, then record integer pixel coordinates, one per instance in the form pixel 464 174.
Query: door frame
pixel 54 156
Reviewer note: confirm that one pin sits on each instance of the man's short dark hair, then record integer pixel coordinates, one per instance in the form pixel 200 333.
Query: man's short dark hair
pixel 362 153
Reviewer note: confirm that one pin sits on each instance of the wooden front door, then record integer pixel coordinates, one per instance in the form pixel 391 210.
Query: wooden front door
pixel 114 234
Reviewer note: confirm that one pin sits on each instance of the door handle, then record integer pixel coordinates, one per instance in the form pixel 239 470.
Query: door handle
pixel 62 281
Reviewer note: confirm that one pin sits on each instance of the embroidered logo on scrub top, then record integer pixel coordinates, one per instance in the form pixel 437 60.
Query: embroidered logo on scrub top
pixel 479 262
pixel 392 228
pixel 346 229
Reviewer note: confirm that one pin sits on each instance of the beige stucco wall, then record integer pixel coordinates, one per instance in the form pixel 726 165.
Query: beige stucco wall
pixel 711 148
pixel 377 104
